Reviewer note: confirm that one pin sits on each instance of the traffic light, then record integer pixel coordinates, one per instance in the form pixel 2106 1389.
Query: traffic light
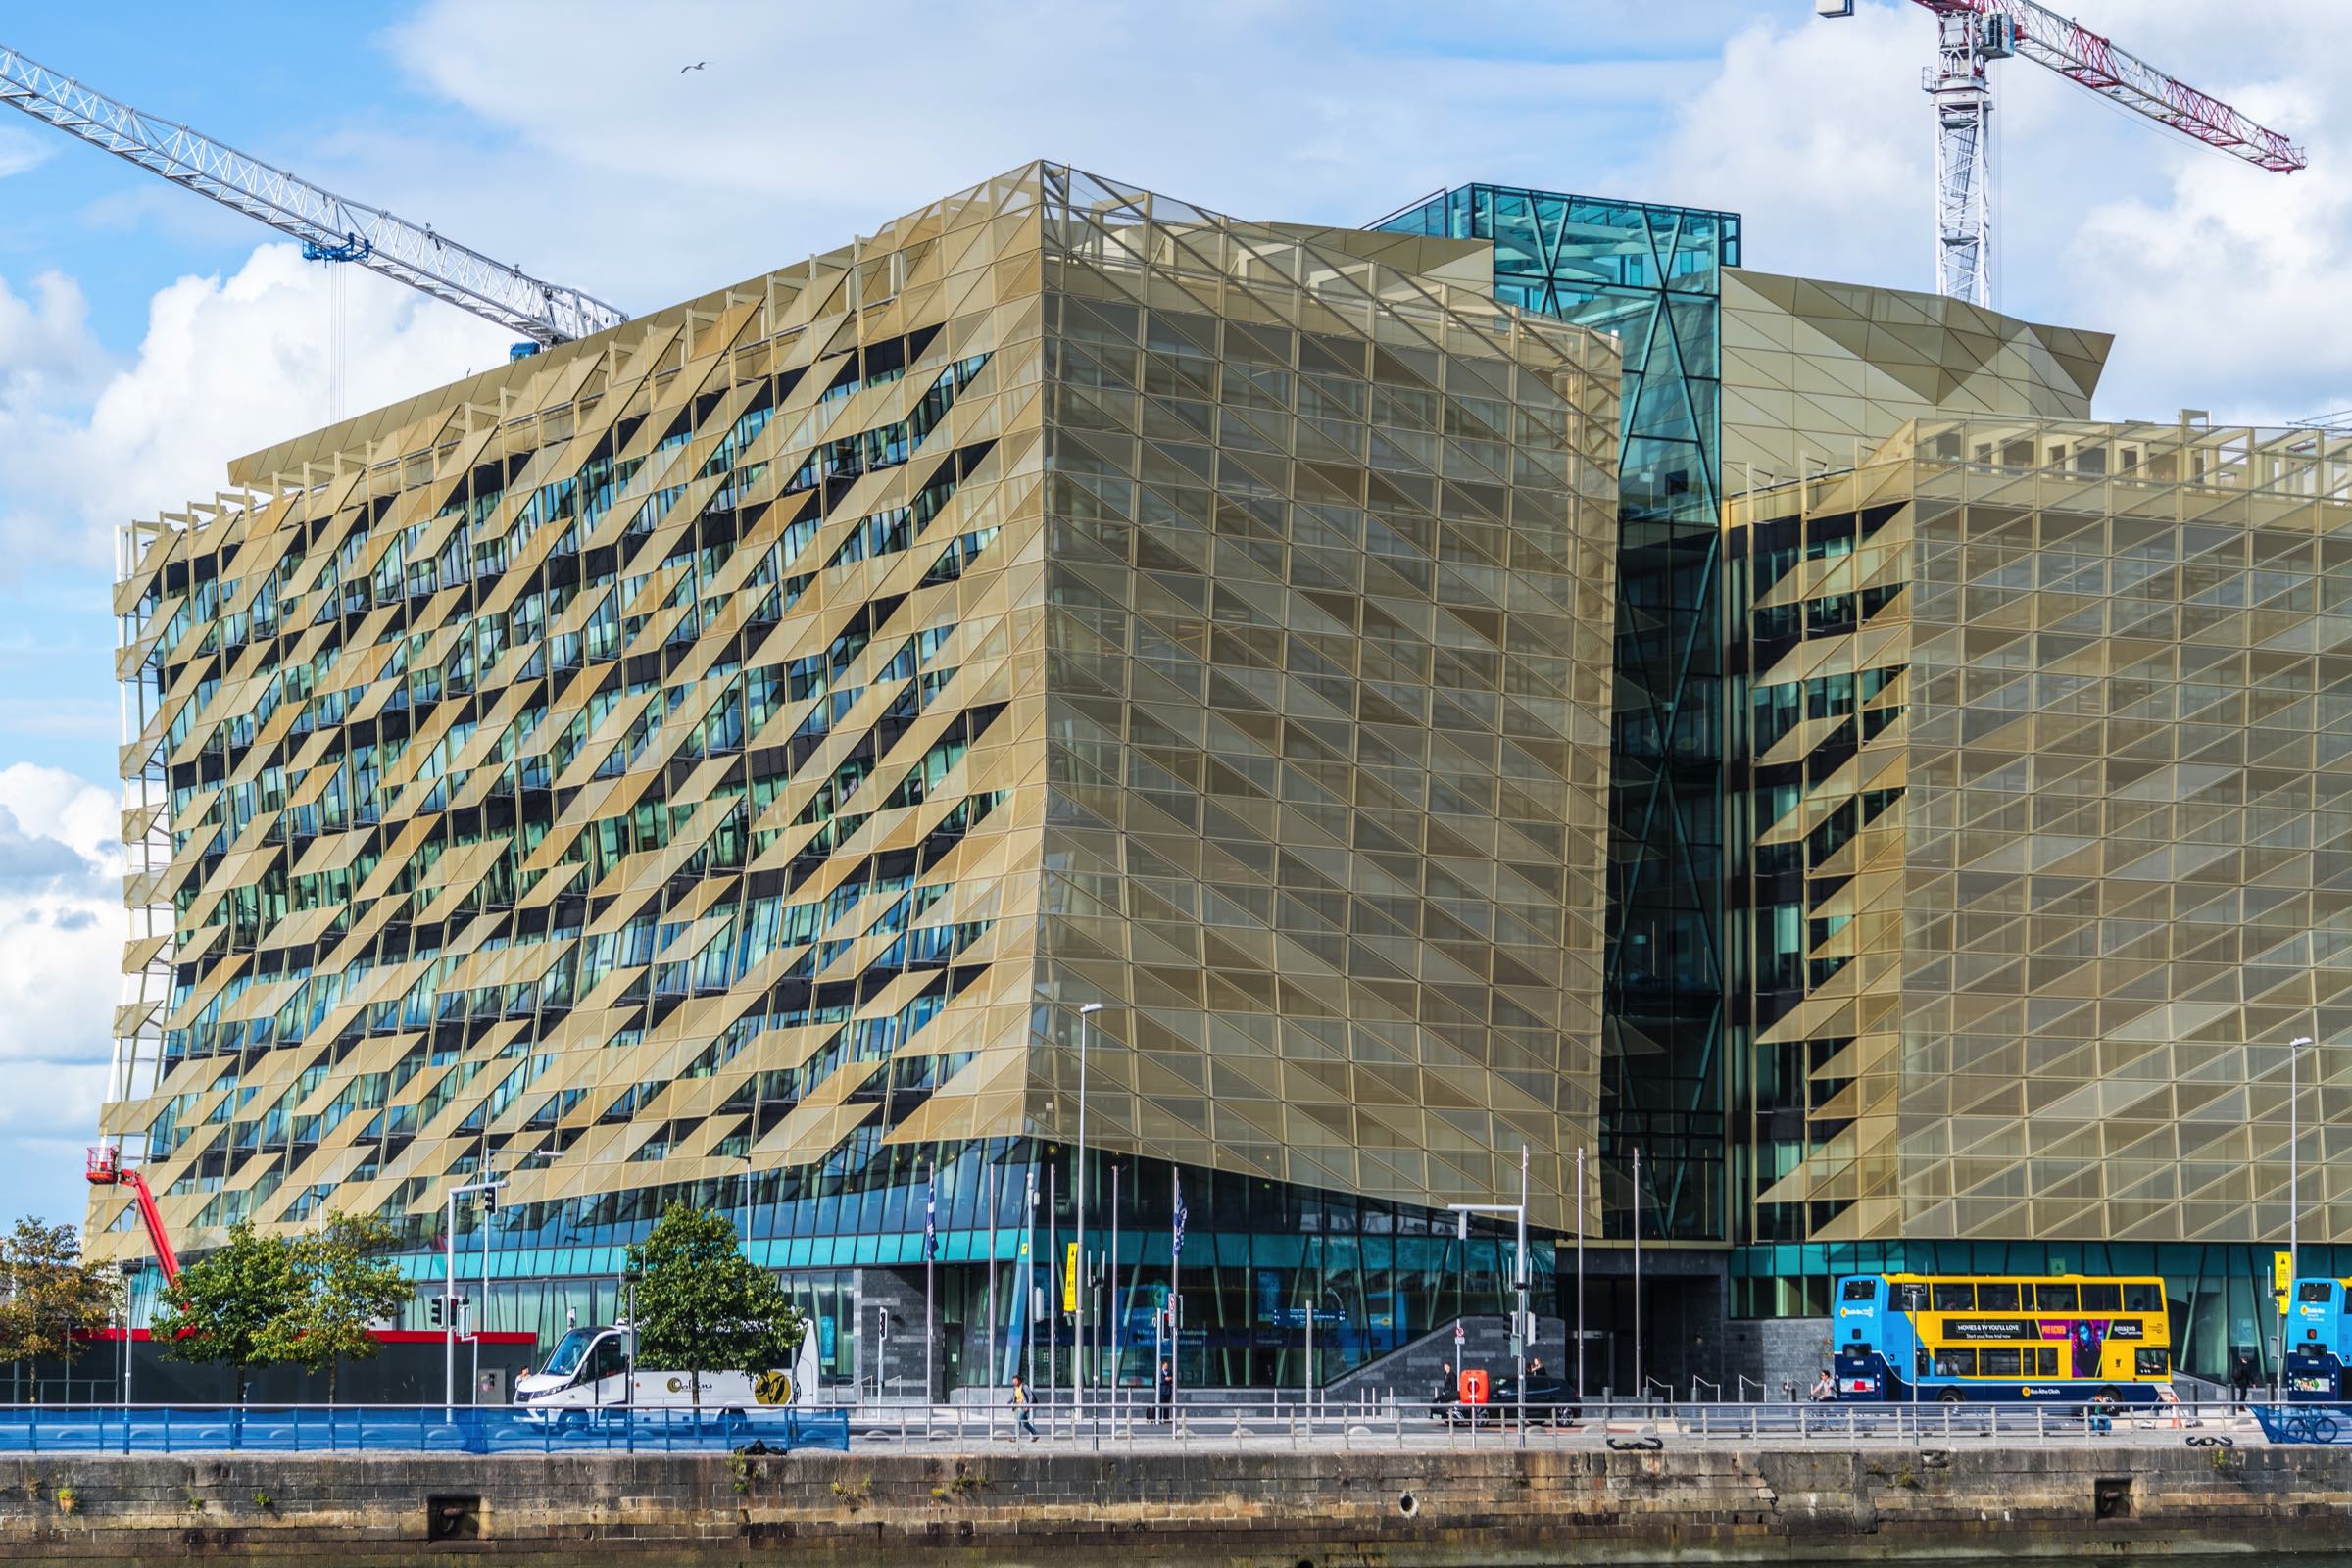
pixel 436 1312
pixel 489 1200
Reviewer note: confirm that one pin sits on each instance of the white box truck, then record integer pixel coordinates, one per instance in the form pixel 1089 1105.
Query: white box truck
pixel 592 1371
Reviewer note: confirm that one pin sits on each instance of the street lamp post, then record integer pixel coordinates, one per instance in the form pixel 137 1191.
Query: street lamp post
pixel 449 1301
pixel 1085 1019
pixel 488 1187
pixel 1519 1324
pixel 2294 1207
pixel 1580 1276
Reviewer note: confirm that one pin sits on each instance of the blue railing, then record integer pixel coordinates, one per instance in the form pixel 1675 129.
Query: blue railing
pixel 424 1429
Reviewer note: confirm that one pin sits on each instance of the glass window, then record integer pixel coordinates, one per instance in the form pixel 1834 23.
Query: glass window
pixel 2153 1362
pixel 1910 1298
pixel 1998 1361
pixel 1997 1298
pixel 568 1351
pixel 2102 1297
pixel 1861 1291
pixel 1958 1362
pixel 1953 1296
pixel 2048 1297
pixel 2048 1368
pixel 2315 1290
pixel 608 1360
pixel 2143 1296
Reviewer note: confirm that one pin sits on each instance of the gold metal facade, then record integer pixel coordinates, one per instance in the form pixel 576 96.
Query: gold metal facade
pixel 1815 374
pixel 759 729
pixel 2049 822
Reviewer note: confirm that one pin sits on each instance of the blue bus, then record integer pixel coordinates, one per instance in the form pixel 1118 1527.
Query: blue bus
pixel 2000 1339
pixel 2314 1340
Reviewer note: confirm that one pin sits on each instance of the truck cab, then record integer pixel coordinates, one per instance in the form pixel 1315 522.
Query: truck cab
pixel 588 1370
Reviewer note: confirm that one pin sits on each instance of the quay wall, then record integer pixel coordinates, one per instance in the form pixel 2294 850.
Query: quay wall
pixel 1312 1508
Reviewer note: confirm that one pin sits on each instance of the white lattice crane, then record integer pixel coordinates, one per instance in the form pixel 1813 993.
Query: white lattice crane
pixel 330 227
pixel 1972 34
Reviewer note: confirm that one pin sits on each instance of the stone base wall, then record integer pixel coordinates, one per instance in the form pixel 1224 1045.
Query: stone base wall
pixel 1368 1508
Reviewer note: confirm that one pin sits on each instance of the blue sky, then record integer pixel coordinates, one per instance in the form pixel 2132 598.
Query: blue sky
pixel 146 336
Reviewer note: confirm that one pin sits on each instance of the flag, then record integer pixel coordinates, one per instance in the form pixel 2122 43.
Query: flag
pixel 931 1218
pixel 1180 1218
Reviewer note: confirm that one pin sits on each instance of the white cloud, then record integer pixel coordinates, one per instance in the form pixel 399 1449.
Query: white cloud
pixel 2219 280
pixel 62 927
pixel 1816 133
pixel 20 149
pixel 649 185
pixel 227 366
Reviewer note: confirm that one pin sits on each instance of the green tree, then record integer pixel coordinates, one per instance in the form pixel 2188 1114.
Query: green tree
pixel 48 1290
pixel 344 1284
pixel 702 1307
pixel 223 1306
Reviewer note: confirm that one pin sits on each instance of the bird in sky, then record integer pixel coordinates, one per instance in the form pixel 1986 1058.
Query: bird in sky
pixel 697 66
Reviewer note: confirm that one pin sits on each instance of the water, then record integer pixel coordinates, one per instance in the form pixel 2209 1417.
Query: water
pixel 2072 1553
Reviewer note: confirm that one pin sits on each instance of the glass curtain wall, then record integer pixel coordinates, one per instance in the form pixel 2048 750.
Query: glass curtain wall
pixel 1651 276
pixel 1260 1258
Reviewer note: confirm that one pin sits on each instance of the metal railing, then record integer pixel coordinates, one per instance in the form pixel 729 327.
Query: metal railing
pixel 1260 1419
pixel 428 1429
pixel 1253 1420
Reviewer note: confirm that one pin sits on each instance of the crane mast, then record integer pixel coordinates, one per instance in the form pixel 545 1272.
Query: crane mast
pixel 1972 34
pixel 330 227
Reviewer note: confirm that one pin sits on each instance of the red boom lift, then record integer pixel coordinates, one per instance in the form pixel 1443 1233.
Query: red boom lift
pixel 106 1169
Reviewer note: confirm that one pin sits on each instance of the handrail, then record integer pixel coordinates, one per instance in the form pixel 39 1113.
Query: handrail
pixel 1213 1423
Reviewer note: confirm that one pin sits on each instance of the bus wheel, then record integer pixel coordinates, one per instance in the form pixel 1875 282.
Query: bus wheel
pixel 1949 1396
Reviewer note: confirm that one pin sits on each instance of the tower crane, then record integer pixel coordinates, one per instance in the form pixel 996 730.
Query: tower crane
pixel 330 227
pixel 1972 34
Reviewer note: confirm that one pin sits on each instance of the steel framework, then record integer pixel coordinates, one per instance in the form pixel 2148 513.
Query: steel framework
pixel 1972 34
pixel 329 226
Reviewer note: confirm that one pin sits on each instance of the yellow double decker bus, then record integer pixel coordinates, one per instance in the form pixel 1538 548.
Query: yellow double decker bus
pixel 1985 1338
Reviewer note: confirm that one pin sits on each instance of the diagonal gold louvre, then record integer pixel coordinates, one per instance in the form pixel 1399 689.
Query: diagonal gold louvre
pixel 763 726
pixel 2050 717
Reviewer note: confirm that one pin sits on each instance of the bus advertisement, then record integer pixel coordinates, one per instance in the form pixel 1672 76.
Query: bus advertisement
pixel 2314 1343
pixel 1984 1339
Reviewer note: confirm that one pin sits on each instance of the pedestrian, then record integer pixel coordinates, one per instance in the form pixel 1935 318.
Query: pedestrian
pixel 1824 1388
pixel 1535 1368
pixel 1167 1390
pixel 1447 1392
pixel 1020 1405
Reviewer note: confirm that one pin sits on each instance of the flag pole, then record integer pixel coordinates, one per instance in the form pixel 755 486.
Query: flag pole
pixel 1175 1298
pixel 994 1186
pixel 930 1256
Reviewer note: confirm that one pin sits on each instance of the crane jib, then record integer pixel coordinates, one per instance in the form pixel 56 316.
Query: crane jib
pixel 327 227
pixel 1972 34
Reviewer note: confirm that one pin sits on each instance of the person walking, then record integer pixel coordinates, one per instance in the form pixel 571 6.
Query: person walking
pixel 1447 1392
pixel 1167 1392
pixel 1021 1404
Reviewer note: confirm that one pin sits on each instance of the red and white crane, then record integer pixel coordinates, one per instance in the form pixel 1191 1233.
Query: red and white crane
pixel 1972 34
